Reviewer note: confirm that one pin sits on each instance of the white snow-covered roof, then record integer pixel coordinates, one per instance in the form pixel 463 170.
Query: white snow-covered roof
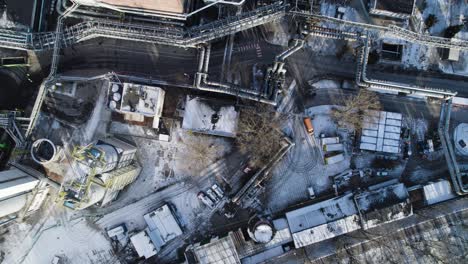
pixel 381 131
pixel 437 192
pixel 461 138
pixel 14 181
pixel 326 231
pixel 142 244
pixel 321 213
pixel 263 233
pixel 162 226
pixel 210 117
pixel 218 251
pixel 12 205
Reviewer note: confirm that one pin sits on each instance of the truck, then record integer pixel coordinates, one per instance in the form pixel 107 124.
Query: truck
pixel 212 195
pixel 308 125
pixel 311 192
pixel 333 147
pixel 217 190
pixel 329 140
pixel 334 159
pixel 204 199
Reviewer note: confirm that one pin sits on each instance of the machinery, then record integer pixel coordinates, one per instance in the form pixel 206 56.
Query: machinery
pixel 100 170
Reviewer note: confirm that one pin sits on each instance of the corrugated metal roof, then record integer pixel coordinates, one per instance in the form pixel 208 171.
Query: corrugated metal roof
pixel 437 192
pixel 381 131
pixel 218 251
pixel 162 226
pixel 142 244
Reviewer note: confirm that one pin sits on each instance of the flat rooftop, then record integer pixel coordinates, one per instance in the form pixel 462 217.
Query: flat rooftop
pixel 395 6
pixel 171 6
pixel 162 226
pixel 321 213
pixel 210 117
pixel 21 11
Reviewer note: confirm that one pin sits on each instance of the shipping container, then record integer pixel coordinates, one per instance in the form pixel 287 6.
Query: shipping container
pixel 308 125
pixel 333 147
pixel 334 159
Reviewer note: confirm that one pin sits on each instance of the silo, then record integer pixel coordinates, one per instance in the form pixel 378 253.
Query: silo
pixel 260 230
pixel 43 151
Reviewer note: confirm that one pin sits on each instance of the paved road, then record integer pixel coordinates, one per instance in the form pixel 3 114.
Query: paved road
pixel 408 106
pixel 164 63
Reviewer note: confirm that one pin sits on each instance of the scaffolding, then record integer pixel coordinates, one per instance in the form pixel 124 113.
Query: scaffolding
pixel 14 125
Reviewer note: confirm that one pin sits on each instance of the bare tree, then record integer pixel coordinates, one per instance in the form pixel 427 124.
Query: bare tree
pixel 258 134
pixel 355 108
pixel 200 151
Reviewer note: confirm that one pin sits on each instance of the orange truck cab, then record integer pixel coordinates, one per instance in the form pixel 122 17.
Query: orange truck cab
pixel 308 125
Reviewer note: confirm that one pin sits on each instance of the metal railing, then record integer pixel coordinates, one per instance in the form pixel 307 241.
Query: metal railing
pixel 449 152
pixel 400 32
pixel 14 126
pixel 362 80
pixel 160 34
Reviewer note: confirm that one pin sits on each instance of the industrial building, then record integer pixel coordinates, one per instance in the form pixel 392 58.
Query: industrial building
pixel 136 102
pixel 431 193
pixel 236 248
pixel 101 170
pixel 401 9
pixel 210 117
pixel 29 13
pixel 381 132
pixel 154 7
pixel 162 228
pixel 305 226
pixel 383 205
pixel 20 194
pixel 173 9
pixel 324 220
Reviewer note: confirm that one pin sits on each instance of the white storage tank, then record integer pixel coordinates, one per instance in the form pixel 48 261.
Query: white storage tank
pixel 115 88
pixel 116 97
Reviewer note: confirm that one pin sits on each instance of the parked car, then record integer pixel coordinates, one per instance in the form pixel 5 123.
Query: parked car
pixel 381 173
pixel 212 196
pixel 205 199
pixel 217 190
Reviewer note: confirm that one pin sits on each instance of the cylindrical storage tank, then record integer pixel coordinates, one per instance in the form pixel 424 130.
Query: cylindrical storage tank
pixel 260 230
pixel 115 88
pixel 95 195
pixel 116 97
pixel 111 158
pixel 43 151
pixel 113 104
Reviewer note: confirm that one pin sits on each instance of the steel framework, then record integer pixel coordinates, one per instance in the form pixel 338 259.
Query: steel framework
pixel 175 36
pixel 14 126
